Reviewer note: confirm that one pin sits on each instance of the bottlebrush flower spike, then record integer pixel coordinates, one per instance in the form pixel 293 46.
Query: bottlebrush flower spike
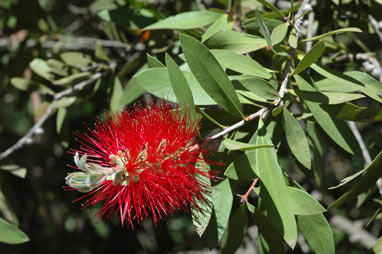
pixel 141 163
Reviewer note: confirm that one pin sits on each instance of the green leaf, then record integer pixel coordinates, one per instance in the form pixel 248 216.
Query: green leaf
pixel 267 230
pixel 180 86
pixel 71 78
pixel 240 146
pixel 186 20
pixel 296 139
pixel 24 84
pixel 366 80
pixel 279 33
pixel 217 26
pixel 133 17
pixel 271 176
pixel 253 23
pixel 260 88
pixel 317 232
pixel 267 35
pixel 329 85
pixel 116 96
pixel 311 57
pixel 131 92
pixel 240 63
pixel 222 200
pixel 41 68
pixel 264 29
pixel 368 179
pixel 76 59
pixel 11 234
pixel 65 102
pixel 15 170
pixel 201 215
pixel 157 82
pixel 338 31
pixel 236 230
pixel 337 130
pixel 272 7
pixel 328 97
pixel 350 112
pixel 344 80
pixel 252 96
pixel 153 62
pixel 235 41
pixel 60 118
pixel 243 168
pixel 100 52
pixel 57 67
pixel 210 75
pixel 377 247
pixel 303 203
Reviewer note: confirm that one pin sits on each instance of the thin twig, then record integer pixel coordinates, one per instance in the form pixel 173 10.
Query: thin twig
pixel 357 135
pixel 309 28
pixel 244 198
pixel 365 151
pixel 37 126
pixel 354 231
pixel 374 22
pixel 238 124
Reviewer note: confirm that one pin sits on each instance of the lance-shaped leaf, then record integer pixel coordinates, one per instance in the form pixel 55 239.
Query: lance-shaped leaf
pixel 279 33
pixel 222 200
pixel 11 234
pixel 351 112
pixel 346 81
pixel 296 139
pixel 303 203
pixel 337 130
pixel 267 35
pixel 271 176
pixel 186 20
pixel 366 80
pixel 311 57
pixel 372 173
pixel 243 168
pixel 328 97
pixel 116 96
pixel 180 86
pixel 240 146
pixel 236 41
pixel 153 62
pixel 267 231
pixel 236 230
pixel 157 82
pixel 260 88
pixel 218 25
pixel 240 63
pixel 253 23
pixel 210 74
pixel 201 214
pixel 317 232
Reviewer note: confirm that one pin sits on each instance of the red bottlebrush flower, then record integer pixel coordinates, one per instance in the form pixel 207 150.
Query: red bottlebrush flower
pixel 141 163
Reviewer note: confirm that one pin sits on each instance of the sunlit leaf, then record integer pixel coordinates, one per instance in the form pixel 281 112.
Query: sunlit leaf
pixel 186 20
pixel 210 75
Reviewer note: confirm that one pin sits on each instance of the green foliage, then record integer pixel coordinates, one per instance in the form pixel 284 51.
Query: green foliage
pixel 222 61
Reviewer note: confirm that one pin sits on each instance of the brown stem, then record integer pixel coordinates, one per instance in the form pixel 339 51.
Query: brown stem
pixel 244 198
